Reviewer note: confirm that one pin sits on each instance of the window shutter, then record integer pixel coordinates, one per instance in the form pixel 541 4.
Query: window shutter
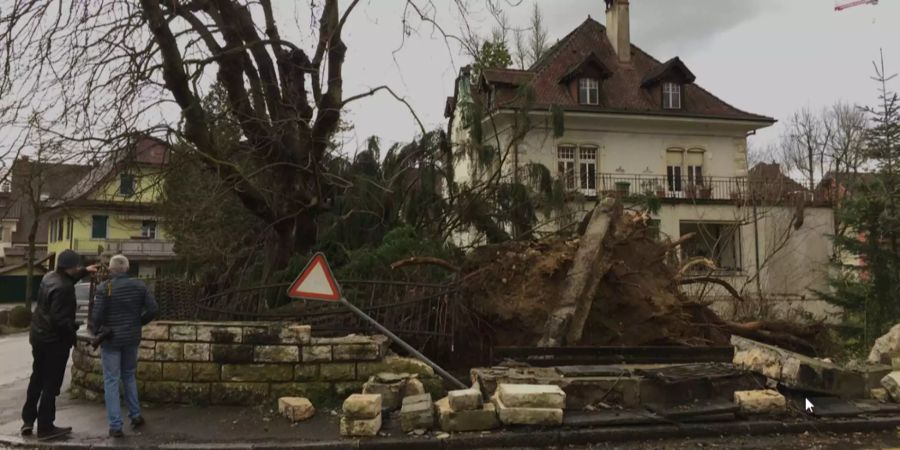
pixel 674 158
pixel 695 158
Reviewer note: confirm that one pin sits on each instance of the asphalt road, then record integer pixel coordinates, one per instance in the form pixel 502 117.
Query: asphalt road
pixel 15 354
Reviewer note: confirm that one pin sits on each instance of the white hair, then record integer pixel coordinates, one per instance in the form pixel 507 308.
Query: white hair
pixel 118 264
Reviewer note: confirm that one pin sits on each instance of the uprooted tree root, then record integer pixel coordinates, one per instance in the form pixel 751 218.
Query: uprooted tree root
pixel 516 286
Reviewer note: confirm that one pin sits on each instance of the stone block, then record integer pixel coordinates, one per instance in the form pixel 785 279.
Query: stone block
pixel 317 392
pixel 146 354
pixel 316 353
pixel 531 396
pixel 413 387
pixel 232 354
pixel 337 372
pixel 526 415
pixel 205 372
pixel 306 372
pixel 220 335
pixel 460 421
pixel 149 371
pixel 169 351
pixel 360 427
pixel 417 412
pixel 357 352
pixel 155 331
pixel 798 371
pixel 295 334
pixel 161 392
pixel 239 393
pixel 197 352
pixel 891 383
pixel 93 381
pixel 391 393
pixel 764 401
pixel 176 371
pixel 277 353
pixel 263 335
pixel 183 333
pixel 194 393
pixel 394 364
pixel 296 409
pixel 880 394
pixel 465 399
pixel 885 346
pixel 362 406
pixel 257 372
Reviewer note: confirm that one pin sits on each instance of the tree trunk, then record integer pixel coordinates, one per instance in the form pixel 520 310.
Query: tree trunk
pixel 29 260
pixel 566 324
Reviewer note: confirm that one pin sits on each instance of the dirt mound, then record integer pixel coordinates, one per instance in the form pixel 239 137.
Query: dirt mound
pixel 515 286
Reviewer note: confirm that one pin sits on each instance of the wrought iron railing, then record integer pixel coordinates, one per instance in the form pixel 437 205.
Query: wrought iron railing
pixel 700 188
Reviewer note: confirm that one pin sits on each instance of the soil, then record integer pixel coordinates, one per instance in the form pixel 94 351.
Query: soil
pixel 516 285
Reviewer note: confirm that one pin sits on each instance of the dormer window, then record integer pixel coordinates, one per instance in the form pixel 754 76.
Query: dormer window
pixel 126 185
pixel 588 91
pixel 671 93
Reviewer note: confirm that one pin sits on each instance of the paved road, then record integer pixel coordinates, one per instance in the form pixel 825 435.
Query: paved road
pixel 15 354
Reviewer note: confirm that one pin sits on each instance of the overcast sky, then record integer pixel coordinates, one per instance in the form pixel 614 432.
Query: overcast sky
pixel 765 56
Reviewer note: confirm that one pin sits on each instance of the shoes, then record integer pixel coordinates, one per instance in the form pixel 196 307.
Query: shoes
pixel 27 429
pixel 116 433
pixel 137 422
pixel 53 432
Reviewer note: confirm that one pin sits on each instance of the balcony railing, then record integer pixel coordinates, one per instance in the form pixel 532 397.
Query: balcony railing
pixel 146 248
pixel 701 188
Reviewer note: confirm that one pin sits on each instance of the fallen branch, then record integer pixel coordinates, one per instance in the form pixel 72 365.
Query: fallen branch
pixel 698 261
pixel 728 287
pixel 421 260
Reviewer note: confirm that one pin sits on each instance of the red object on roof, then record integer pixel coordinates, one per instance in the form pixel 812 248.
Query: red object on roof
pixel 316 282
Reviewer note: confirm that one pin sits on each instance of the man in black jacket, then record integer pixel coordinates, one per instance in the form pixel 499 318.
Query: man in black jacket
pixel 52 336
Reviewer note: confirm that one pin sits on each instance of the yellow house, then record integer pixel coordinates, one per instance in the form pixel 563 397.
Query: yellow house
pixel 112 210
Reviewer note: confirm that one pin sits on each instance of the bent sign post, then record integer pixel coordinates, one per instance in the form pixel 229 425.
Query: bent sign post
pixel 316 282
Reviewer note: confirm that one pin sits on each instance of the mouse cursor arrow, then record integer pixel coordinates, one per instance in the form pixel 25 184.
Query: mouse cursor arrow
pixel 809 406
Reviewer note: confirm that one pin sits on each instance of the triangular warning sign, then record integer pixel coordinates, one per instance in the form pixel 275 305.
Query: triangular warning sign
pixel 316 281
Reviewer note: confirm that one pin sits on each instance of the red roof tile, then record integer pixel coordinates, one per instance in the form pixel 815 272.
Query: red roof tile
pixel 621 92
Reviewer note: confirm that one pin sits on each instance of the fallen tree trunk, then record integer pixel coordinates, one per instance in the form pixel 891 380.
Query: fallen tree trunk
pixel 566 322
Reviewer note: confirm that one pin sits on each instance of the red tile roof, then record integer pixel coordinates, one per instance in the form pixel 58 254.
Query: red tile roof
pixel 621 92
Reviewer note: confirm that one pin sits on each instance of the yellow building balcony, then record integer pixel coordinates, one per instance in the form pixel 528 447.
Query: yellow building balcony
pixel 136 249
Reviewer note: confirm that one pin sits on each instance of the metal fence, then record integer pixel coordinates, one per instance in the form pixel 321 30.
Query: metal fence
pixel 702 188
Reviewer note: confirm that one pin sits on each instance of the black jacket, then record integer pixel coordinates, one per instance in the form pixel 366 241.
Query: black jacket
pixel 122 305
pixel 54 316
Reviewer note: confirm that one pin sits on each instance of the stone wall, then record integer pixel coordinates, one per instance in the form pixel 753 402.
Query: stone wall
pixel 247 363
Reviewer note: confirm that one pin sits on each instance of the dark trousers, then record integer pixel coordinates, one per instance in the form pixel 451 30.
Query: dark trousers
pixel 47 372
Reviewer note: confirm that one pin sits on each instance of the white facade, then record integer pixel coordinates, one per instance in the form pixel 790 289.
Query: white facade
pixel 770 261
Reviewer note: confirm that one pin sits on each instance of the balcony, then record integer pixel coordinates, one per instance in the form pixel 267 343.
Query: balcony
pixel 732 189
pixel 139 249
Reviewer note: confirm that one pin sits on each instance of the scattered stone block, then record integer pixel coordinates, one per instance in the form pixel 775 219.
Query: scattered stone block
pixel 465 399
pixel 296 409
pixel 760 401
pixel 363 406
pixel 891 383
pixel 526 415
pixel 885 346
pixel 532 396
pixel 459 421
pixel 880 394
pixel 391 393
pixel 417 413
pixel 360 427
pixel 413 388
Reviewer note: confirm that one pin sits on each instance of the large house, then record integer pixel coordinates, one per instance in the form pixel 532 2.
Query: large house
pixel 113 210
pixel 633 124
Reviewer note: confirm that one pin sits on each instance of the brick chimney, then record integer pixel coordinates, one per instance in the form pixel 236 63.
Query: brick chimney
pixel 618 28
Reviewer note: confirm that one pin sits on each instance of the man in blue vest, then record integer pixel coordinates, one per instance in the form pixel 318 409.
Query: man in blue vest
pixel 122 306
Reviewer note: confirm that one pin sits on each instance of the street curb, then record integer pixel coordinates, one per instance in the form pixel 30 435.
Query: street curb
pixel 531 438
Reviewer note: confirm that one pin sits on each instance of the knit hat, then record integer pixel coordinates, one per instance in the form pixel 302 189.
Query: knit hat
pixel 68 260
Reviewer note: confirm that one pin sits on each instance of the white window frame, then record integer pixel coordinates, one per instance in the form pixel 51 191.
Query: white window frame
pixel 671 93
pixel 588 91
pixel 587 169
pixel 149 232
pixel 732 234
pixel 565 156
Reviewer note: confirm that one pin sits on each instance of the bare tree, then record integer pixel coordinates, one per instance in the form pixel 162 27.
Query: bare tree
pixel 537 43
pixel 805 143
pixel 102 72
